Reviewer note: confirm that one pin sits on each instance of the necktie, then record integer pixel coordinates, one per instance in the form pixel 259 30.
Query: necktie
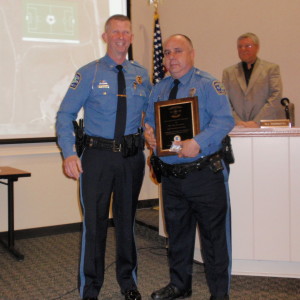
pixel 174 89
pixel 121 109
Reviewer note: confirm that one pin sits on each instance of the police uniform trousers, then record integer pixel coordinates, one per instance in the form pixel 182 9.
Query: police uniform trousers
pixel 202 199
pixel 105 172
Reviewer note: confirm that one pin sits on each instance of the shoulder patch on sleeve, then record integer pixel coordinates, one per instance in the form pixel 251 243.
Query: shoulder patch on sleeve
pixel 75 81
pixel 219 87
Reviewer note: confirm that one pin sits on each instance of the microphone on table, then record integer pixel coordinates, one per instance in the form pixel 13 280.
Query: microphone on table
pixel 285 102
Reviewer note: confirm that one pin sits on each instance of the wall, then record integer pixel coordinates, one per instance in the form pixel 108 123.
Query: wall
pixel 214 25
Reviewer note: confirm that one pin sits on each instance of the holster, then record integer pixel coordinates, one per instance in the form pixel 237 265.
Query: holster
pixel 157 167
pixel 132 143
pixel 227 151
pixel 79 136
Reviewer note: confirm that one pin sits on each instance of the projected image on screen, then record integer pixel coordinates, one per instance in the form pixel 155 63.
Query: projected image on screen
pixel 43 43
pixel 51 21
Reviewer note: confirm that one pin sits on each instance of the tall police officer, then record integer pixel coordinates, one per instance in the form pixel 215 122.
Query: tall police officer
pixel 109 163
pixel 194 182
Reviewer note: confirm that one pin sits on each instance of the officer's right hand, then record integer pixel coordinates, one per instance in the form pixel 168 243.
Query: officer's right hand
pixel 149 136
pixel 72 166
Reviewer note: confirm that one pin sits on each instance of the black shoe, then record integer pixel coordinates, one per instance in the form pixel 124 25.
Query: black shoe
pixel 170 292
pixel 132 295
pixel 90 298
pixel 226 297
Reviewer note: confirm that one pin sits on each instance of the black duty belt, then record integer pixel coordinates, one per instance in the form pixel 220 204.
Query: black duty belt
pixel 161 168
pixel 102 143
pixel 130 144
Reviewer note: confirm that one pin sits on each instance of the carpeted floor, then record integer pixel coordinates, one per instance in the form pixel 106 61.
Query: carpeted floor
pixel 49 270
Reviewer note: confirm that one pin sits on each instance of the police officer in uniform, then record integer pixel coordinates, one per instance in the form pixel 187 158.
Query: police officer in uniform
pixel 112 161
pixel 195 180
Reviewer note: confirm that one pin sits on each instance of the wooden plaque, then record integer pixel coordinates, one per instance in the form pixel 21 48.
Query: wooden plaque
pixel 176 119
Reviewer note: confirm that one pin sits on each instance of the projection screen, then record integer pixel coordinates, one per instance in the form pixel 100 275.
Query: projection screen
pixel 43 43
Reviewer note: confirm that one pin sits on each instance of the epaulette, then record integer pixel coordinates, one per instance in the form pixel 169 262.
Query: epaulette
pixel 90 64
pixel 136 64
pixel 198 72
pixel 204 75
pixel 165 78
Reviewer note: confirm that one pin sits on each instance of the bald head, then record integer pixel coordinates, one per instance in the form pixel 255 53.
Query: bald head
pixel 178 55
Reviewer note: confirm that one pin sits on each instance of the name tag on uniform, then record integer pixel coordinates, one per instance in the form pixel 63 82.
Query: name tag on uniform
pixel 103 85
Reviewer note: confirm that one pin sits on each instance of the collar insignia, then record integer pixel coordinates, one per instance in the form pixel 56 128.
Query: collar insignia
pixel 139 79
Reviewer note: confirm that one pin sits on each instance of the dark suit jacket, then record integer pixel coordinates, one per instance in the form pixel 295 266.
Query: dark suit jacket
pixel 260 100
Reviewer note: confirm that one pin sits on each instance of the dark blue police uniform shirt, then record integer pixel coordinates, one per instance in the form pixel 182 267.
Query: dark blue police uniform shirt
pixel 215 115
pixel 95 88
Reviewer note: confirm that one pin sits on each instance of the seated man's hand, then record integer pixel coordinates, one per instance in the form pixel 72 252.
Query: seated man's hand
pixel 248 124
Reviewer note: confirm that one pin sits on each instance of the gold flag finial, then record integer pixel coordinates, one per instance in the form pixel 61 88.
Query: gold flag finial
pixel 155 4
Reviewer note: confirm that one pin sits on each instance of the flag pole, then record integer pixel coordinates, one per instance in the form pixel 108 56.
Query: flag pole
pixel 158 68
pixel 155 4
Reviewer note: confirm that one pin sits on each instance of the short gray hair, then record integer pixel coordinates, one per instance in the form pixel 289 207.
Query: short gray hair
pixel 250 35
pixel 122 18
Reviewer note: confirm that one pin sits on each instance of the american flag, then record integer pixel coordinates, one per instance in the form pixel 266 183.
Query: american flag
pixel 158 68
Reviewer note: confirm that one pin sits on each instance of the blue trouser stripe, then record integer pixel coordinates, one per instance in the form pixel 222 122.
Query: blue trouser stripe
pixel 81 270
pixel 228 224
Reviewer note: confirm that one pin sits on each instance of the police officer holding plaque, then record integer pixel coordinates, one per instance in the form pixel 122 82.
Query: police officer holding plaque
pixel 193 170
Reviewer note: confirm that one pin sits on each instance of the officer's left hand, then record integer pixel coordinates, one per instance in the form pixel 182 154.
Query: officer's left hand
pixel 149 136
pixel 190 148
